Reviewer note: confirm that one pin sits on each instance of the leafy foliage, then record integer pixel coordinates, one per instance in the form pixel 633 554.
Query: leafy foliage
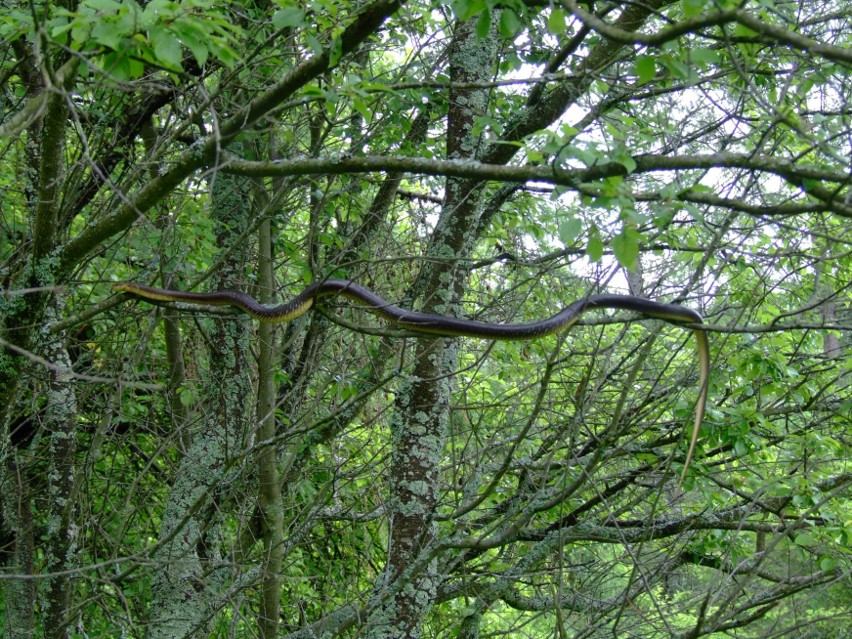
pixel 491 159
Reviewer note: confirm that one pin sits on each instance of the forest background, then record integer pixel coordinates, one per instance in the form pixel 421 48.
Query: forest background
pixel 180 472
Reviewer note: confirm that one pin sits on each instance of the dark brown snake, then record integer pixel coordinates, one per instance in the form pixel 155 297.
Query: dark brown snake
pixel 451 326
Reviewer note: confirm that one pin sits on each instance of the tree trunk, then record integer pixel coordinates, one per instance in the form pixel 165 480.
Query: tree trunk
pixel 192 574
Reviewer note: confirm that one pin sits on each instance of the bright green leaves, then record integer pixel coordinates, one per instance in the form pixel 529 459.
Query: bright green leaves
pixel 675 60
pixel 645 68
pixel 625 246
pixel 126 38
pixel 595 245
pixel 167 48
pixel 334 52
pixel 510 23
pixel 188 396
pixel 677 67
pixel 483 25
pixel 510 15
pixel 738 429
pixel 600 200
pixel 605 195
pixel 557 22
pixel 570 230
pixel 622 156
pixel 693 8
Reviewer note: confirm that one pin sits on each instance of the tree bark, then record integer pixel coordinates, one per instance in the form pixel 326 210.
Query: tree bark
pixel 192 574
pixel 419 427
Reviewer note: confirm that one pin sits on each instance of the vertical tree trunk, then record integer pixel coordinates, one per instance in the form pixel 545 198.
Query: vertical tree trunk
pixel 16 520
pixel 30 321
pixel 419 427
pixel 271 504
pixel 190 576
pixel 60 549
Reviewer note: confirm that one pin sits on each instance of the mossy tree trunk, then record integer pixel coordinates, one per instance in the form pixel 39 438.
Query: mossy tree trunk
pixel 192 573
pixel 419 426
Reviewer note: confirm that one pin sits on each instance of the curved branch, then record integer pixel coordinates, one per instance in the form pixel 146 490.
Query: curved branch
pixel 715 18
pixel 797 174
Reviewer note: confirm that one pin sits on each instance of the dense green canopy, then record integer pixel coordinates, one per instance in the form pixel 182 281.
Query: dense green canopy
pixel 182 471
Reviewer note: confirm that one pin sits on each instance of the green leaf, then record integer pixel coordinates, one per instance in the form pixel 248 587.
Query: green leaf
pixel 556 22
pixel 483 25
pixel 166 47
pixel 588 156
pixel 59 29
pixel 809 184
pixel 157 12
pixel 510 23
pixel 692 8
pixel 704 56
pixel 198 48
pixel 742 31
pixel 335 51
pixel 80 31
pixel 288 17
pixel 625 245
pixel 805 539
pixel 569 230
pixel 187 396
pixel 119 67
pixel 314 44
pixel 481 123
pixel 625 160
pixel 678 68
pixel 595 247
pixel 103 5
pixel 645 68
pixel 465 9
pixel 106 34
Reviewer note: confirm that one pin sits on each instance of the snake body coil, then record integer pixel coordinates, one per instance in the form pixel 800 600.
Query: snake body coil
pixel 450 326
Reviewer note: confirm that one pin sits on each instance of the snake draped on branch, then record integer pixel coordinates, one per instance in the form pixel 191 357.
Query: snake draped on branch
pixel 438 325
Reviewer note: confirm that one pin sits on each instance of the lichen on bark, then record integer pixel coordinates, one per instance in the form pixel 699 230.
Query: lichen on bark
pixel 191 576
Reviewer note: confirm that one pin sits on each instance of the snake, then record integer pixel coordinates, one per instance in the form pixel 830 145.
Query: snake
pixel 439 325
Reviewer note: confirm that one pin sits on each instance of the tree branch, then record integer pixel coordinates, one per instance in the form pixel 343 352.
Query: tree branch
pixel 208 149
pixel 571 177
